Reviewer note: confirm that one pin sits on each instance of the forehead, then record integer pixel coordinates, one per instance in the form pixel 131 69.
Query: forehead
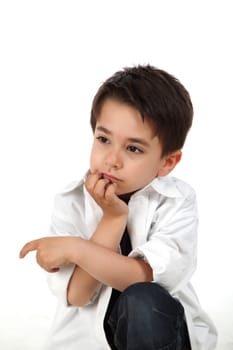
pixel 124 118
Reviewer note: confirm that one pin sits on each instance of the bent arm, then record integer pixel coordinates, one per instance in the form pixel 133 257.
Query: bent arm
pixel 97 263
pixel 109 267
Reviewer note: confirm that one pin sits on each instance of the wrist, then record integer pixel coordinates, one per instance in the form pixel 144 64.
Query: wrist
pixel 76 248
pixel 109 231
pixel 115 220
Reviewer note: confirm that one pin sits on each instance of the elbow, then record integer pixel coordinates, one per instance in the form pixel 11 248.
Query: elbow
pixel 77 300
pixel 145 271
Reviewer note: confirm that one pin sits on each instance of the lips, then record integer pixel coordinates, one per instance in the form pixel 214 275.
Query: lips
pixel 110 177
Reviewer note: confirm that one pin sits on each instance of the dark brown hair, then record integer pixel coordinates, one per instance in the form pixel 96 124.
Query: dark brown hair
pixel 157 95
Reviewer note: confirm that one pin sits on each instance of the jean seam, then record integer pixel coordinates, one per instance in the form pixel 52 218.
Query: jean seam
pixel 167 347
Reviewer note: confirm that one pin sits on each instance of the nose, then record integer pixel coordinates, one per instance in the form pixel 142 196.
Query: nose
pixel 113 159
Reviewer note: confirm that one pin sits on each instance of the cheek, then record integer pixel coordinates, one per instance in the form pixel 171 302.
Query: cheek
pixel 94 159
pixel 151 171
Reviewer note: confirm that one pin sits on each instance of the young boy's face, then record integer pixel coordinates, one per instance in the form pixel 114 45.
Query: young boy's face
pixel 125 149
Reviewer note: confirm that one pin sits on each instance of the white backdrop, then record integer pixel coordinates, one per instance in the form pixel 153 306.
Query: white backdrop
pixel 53 57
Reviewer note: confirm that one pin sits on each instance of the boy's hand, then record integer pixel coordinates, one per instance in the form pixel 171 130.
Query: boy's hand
pixel 103 192
pixel 51 252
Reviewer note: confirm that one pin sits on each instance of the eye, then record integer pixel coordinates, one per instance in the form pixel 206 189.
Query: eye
pixel 102 139
pixel 134 149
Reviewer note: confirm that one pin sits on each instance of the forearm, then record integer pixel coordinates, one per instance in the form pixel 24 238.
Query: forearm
pixel 109 267
pixel 82 285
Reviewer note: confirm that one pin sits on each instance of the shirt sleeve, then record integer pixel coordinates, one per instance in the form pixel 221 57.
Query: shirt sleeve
pixel 67 220
pixel 172 244
pixel 60 226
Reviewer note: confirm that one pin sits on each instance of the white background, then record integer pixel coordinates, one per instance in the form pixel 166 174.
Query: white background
pixel 53 57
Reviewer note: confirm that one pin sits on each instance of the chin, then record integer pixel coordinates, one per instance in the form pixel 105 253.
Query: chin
pixel 120 192
pixel 129 193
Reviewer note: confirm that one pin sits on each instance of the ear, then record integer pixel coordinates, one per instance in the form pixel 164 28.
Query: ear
pixel 169 162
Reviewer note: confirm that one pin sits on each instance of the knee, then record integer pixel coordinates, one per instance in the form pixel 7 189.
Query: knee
pixel 138 291
pixel 150 307
pixel 148 295
pixel 140 288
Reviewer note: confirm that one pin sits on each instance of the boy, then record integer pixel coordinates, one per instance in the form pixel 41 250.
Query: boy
pixel 125 245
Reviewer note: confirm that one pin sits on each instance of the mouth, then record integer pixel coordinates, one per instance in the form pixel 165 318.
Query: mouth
pixel 110 177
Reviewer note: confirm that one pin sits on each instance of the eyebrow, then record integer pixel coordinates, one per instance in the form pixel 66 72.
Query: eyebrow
pixel 137 140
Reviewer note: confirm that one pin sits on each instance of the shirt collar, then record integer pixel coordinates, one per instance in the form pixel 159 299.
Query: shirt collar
pixel 164 185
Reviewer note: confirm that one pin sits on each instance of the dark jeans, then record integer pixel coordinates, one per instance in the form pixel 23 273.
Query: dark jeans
pixel 146 317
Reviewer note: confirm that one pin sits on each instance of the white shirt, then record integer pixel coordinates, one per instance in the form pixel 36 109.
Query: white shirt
pixel 162 225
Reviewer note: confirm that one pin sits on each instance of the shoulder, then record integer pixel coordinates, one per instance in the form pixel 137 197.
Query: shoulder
pixel 185 189
pixel 172 187
pixel 71 188
pixel 174 197
pixel 70 196
pixel 175 203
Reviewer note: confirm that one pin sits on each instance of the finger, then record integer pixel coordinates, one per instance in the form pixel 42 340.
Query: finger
pixel 55 269
pixel 47 267
pixel 101 187
pixel 28 247
pixel 92 174
pixel 44 263
pixel 91 181
pixel 110 191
